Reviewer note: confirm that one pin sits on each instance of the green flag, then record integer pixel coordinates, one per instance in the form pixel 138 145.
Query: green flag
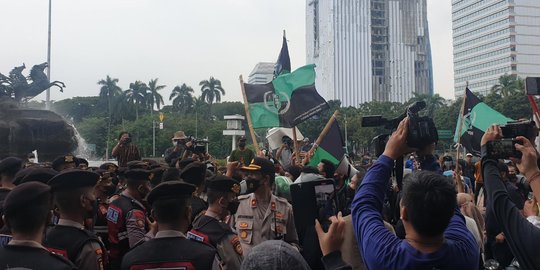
pixel 287 101
pixel 477 118
pixel 331 147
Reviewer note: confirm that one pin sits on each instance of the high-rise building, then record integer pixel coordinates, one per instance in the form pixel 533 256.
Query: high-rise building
pixel 262 73
pixel 368 50
pixel 493 38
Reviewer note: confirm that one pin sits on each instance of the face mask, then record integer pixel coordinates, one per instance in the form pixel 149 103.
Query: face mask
pixel 242 144
pixel 109 190
pixel 249 185
pixel 233 206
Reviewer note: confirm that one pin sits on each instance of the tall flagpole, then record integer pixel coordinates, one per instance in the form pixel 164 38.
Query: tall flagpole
pixel 248 116
pixel 461 124
pixel 48 93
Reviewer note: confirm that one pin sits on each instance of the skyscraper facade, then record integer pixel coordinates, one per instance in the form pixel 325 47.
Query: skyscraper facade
pixel 492 38
pixel 369 50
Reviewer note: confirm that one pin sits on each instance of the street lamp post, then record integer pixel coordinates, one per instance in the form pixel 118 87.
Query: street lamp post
pixel 48 92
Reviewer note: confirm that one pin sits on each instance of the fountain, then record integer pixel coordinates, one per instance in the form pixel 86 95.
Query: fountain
pixel 24 130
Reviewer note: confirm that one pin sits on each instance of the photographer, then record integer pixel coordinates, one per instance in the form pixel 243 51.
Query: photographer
pixel 436 234
pixel 178 150
pixel 521 236
pixel 125 151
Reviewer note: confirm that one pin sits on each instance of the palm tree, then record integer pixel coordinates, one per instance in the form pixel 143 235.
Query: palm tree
pixel 182 97
pixel 108 91
pixel 211 90
pixel 122 109
pixel 433 102
pixel 136 94
pixel 508 85
pixel 152 96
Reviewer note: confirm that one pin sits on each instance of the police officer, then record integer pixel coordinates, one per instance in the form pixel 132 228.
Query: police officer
pixel 104 190
pixel 170 248
pixel 61 163
pixel 8 168
pixel 195 174
pixel 126 216
pixel 211 228
pixel 74 196
pixel 262 216
pixel 27 211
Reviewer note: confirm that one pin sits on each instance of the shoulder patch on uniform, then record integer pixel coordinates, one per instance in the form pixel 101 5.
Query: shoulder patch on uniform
pixel 113 215
pixel 235 242
pixel 198 236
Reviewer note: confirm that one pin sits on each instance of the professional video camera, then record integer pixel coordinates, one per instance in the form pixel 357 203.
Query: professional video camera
pixel 422 131
pixel 506 147
pixel 198 146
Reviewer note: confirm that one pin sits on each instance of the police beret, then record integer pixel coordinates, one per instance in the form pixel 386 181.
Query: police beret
pixel 137 175
pixel 156 174
pixel 263 165
pixel 223 184
pixel 170 190
pixel 137 164
pixel 72 179
pixel 61 160
pixel 38 174
pixel 21 174
pixel 10 164
pixel 171 174
pixel 26 194
pixel 194 173
pixel 80 161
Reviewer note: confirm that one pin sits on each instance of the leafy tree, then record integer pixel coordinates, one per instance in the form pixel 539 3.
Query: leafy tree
pixel 182 98
pixel 153 96
pixel 77 108
pixel 508 85
pixel 136 94
pixel 433 102
pixel 108 91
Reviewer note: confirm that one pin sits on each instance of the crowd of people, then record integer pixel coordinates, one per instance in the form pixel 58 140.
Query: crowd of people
pixel 186 212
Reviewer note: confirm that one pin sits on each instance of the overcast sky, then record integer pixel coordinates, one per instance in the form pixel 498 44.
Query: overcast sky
pixel 177 41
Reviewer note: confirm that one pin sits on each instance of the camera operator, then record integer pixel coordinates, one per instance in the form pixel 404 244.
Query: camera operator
pixel 433 223
pixel 125 151
pixel 178 150
pixel 521 236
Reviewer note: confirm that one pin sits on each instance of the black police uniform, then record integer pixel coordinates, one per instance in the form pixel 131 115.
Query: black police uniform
pixel 69 238
pixel 28 254
pixel 170 249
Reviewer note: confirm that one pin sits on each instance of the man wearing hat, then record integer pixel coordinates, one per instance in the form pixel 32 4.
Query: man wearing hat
pixel 178 150
pixel 195 174
pixel 212 227
pixel 170 249
pixel 126 216
pixel 262 216
pixel 64 162
pixel 27 212
pixel 73 192
pixel 242 154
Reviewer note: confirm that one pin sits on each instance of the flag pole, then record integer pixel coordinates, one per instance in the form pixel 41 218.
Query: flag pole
pixel 461 125
pixel 324 131
pixel 296 146
pixel 248 116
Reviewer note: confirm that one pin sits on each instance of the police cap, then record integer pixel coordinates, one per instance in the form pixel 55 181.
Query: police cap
pixel 62 160
pixel 137 175
pixel 194 173
pixel 262 165
pixel 170 190
pixel 72 179
pixel 223 184
pixel 26 194
pixel 10 164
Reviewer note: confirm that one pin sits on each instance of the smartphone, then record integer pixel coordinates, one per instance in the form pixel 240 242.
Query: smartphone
pixel 532 86
pixel 503 149
pixel 326 204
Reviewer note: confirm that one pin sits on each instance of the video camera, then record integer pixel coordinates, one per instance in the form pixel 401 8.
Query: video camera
pixel 422 131
pixel 506 147
pixel 198 146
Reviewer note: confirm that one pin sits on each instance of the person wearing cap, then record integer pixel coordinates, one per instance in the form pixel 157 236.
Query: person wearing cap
pixel 212 227
pixel 262 216
pixel 195 174
pixel 178 150
pixel 468 169
pixel 27 210
pixel 126 216
pixel 74 197
pixel 64 162
pixel 170 248
pixel 242 154
pixel 125 151
pixel 82 163
pixel 8 169
pixel 104 190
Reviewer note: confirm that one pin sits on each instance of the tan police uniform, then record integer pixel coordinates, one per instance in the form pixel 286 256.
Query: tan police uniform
pixel 255 225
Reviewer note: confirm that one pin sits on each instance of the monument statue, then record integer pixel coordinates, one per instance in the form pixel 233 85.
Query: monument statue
pixel 23 130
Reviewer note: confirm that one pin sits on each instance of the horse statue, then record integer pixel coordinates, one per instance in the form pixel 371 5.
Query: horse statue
pixel 40 83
